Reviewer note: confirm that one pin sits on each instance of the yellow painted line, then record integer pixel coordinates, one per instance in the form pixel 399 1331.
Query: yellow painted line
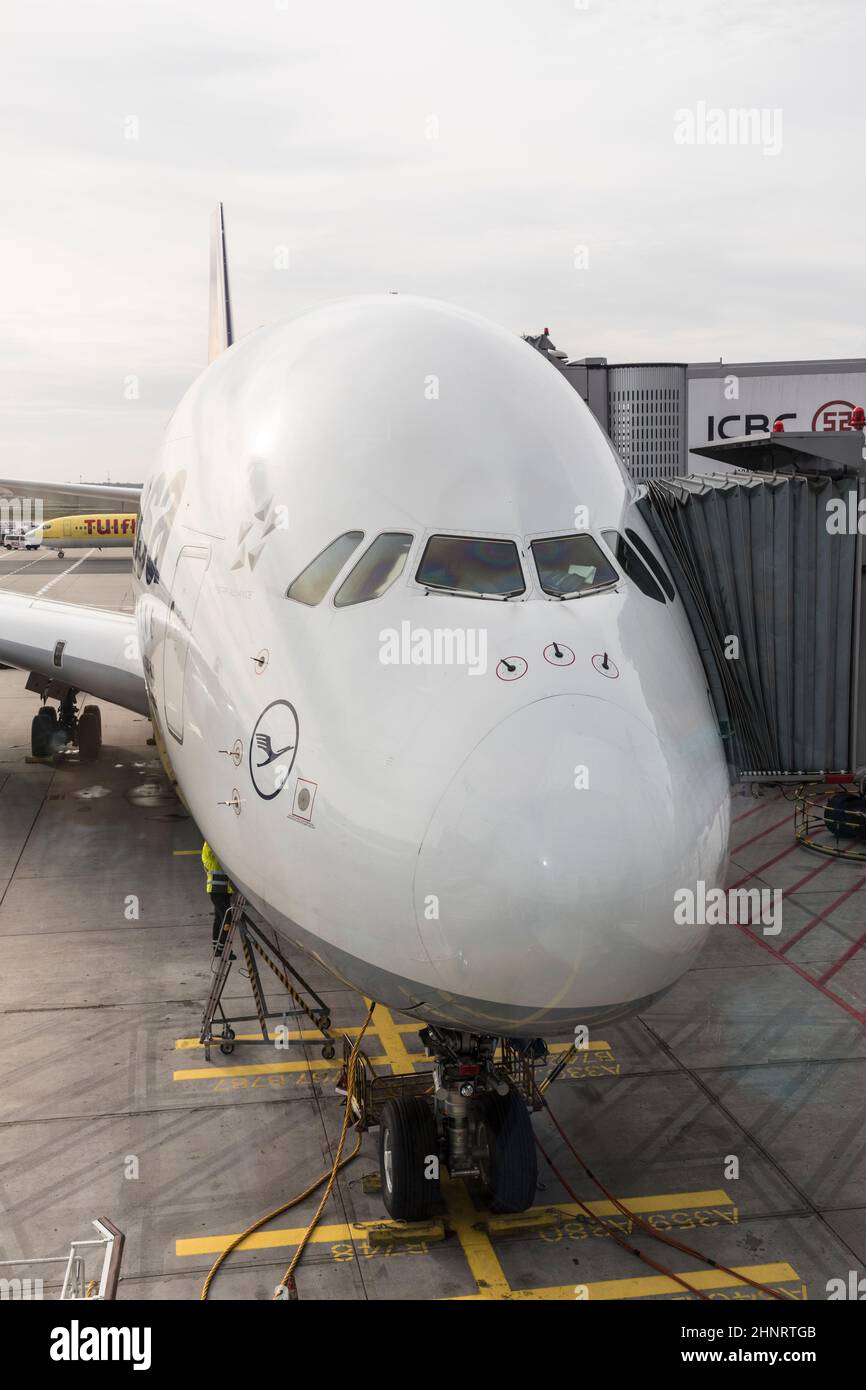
pixel 475 1243
pixel 463 1218
pixel 213 1072
pixel 298 1035
pixel 336 1234
pixel 313 1034
pixel 265 1240
pixel 672 1201
pixel 186 851
pixel 652 1286
pixel 390 1037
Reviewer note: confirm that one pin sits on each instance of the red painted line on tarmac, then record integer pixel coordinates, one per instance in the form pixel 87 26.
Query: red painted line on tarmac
pixel 810 979
pixel 783 854
pixel 822 916
pixel 843 960
pixel 761 833
pixel 806 877
pixel 745 814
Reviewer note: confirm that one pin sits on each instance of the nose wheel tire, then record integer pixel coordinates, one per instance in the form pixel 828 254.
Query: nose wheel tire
pixel 408 1158
pixel 509 1169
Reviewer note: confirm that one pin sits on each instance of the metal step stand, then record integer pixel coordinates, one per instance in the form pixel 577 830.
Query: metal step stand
pixel 239 929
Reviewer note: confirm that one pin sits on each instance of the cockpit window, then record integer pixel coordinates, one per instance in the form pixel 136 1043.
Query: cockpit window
pixel 314 582
pixel 378 567
pixel 655 565
pixel 571 565
pixel 464 565
pixel 633 565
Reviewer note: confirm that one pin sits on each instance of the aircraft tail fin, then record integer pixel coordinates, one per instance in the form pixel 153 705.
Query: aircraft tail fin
pixel 220 333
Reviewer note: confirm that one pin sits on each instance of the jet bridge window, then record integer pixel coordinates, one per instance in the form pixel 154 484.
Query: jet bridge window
pixel 314 582
pixel 633 565
pixel 655 565
pixel 571 565
pixel 382 563
pixel 476 568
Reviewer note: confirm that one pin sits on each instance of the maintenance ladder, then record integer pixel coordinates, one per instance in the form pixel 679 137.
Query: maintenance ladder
pixel 239 928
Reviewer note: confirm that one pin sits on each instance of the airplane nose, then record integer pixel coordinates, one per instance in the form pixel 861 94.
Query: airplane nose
pixel 546 877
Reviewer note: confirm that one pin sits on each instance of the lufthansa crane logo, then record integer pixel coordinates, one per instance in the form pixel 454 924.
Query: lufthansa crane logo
pixel 273 747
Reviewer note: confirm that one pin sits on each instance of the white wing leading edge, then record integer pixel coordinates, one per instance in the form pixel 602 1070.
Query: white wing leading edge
pixel 90 649
pixel 80 494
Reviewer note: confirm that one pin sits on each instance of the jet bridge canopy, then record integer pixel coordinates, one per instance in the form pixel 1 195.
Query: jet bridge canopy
pixel 768 564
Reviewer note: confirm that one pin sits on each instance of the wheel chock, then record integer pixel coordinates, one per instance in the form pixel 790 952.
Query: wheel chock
pixel 405 1232
pixel 518 1221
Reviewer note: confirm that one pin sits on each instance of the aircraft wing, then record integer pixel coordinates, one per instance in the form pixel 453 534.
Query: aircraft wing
pixel 91 649
pixel 85 494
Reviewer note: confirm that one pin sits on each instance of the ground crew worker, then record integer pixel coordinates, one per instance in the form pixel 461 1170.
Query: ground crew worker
pixel 220 889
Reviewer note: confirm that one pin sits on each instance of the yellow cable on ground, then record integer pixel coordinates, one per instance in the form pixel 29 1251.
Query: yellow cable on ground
pixel 330 1177
pixel 350 1090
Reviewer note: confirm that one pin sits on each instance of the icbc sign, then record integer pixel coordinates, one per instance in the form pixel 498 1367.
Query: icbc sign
pixel 835 415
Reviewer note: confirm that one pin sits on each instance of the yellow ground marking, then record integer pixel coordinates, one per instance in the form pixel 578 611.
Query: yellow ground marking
pixel 636 1206
pixel 475 1242
pixel 302 1035
pixel 186 851
pixel 312 1034
pixel 396 1056
pixel 392 1040
pixel 213 1073
pixel 651 1286
pixel 267 1240
pixel 463 1215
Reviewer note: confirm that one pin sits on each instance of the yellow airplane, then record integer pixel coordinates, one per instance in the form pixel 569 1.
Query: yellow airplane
pixel 102 530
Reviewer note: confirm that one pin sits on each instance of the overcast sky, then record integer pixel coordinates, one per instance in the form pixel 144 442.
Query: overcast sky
pixel 462 149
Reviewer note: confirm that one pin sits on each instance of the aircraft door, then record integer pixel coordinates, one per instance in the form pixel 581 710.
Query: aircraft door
pixel 186 586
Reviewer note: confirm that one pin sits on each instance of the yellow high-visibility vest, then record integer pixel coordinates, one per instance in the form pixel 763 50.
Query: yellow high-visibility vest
pixel 217 878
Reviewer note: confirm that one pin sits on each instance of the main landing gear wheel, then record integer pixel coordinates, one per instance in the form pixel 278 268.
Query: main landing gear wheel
pixel 509 1166
pixel 408 1142
pixel 42 732
pixel 90 732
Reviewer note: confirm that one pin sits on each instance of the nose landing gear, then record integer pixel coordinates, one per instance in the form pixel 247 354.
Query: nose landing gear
pixel 471 1114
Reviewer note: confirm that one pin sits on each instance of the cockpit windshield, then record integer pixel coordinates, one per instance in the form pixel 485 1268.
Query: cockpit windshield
pixel 571 565
pixel 465 565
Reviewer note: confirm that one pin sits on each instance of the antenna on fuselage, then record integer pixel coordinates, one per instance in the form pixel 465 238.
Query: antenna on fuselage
pixel 220 334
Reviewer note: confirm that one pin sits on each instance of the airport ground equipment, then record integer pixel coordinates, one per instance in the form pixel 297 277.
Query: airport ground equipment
pixel 76 1284
pixel 832 820
pixel 470 1111
pixel 239 929
pixel 768 563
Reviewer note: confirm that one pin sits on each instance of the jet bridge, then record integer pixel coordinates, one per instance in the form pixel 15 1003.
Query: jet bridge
pixel 768 560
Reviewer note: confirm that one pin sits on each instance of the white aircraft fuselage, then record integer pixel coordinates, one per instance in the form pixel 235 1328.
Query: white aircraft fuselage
pixel 491 845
